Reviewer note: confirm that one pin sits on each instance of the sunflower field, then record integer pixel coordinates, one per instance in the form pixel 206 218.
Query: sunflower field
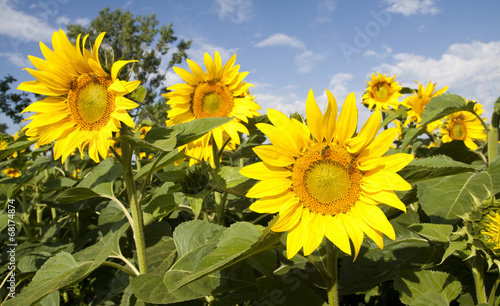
pixel 227 205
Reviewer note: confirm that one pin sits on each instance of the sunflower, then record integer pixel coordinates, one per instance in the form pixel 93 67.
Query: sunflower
pixel 219 92
pixel 493 231
pixel 84 103
pixel 330 184
pixel 417 102
pixel 3 145
pixel 382 92
pixel 12 172
pixel 464 126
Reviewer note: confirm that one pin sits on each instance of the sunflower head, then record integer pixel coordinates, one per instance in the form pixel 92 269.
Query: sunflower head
pixel 84 103
pixel 12 172
pixel 220 91
pixel 382 92
pixel 325 181
pixel 464 126
pixel 416 103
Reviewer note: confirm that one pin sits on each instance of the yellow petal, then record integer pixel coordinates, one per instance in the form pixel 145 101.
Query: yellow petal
pixel 375 218
pixel 274 155
pixel 393 162
pixel 380 144
pixel 186 76
pixel 262 171
pixel 289 216
pixel 295 237
pixel 269 187
pixel 279 139
pixel 387 197
pixel 374 234
pixel 272 204
pixel 353 231
pixel 314 117
pixel 336 233
pixel 348 119
pixel 383 180
pixel 330 118
pixel 117 67
pixel 314 233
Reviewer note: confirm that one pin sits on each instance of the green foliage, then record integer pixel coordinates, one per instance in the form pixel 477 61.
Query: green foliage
pixel 12 104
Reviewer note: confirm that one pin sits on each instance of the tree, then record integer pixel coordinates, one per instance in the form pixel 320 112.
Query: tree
pixel 139 38
pixel 12 104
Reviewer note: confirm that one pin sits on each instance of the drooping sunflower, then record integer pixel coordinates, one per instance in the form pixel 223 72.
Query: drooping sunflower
pixel 382 92
pixel 493 231
pixel 416 103
pixel 464 126
pixel 84 103
pixel 219 92
pixel 331 183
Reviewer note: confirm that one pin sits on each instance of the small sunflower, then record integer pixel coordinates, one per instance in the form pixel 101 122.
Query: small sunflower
pixel 85 104
pixel 493 230
pixel 382 92
pixel 331 183
pixel 12 172
pixel 417 102
pixel 3 145
pixel 219 92
pixel 464 126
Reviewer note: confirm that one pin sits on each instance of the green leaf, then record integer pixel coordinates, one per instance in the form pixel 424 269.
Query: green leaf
pixel 151 289
pixel 139 94
pixel 394 114
pixel 166 160
pixel 101 178
pixel 445 199
pixel 453 247
pixel 194 129
pixel 65 269
pixel 444 105
pixel 230 176
pixel 161 255
pixel 161 138
pixel 196 202
pixel 430 299
pixel 433 232
pixel 20 144
pixel 413 284
pixel 431 167
pixel 410 135
pixel 76 194
pixel 162 203
pixel 240 241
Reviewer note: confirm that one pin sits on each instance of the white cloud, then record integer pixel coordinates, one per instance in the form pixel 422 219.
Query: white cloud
pixel 23 27
pixel 306 60
pixel 287 104
pixel 17 59
pixel 280 39
pixel 325 9
pixel 63 20
pixel 236 10
pixel 380 55
pixel 470 70
pixel 412 7
pixel 198 50
pixel 82 21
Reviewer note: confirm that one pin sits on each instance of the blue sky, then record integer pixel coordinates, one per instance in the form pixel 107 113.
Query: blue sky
pixel 292 46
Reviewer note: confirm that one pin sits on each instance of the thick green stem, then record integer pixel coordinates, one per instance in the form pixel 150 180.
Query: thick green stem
pixel 478 275
pixel 493 138
pixel 220 201
pixel 332 267
pixel 135 208
pixel 491 299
